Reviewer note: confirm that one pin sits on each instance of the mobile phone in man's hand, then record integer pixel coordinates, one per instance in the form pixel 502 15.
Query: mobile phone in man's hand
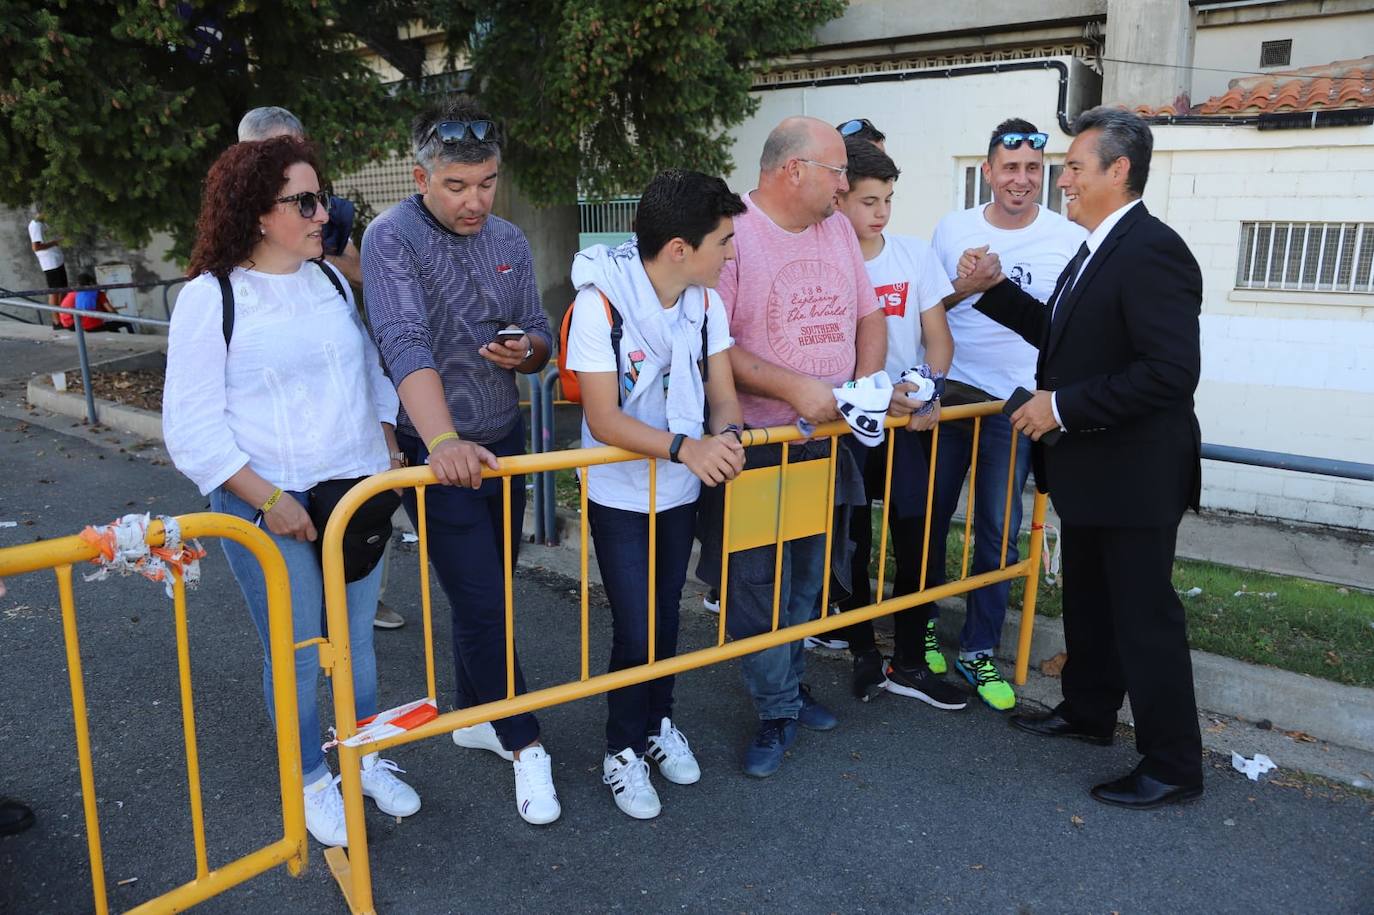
pixel 1015 402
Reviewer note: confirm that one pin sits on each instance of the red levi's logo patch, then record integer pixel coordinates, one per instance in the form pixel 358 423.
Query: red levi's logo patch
pixel 893 297
pixel 503 268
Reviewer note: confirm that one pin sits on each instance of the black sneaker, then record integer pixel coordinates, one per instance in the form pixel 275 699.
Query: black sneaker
pixel 920 683
pixel 869 678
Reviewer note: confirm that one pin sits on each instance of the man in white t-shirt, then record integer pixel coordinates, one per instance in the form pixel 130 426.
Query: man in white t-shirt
pixel 649 341
pixel 50 260
pixel 990 362
pixel 911 285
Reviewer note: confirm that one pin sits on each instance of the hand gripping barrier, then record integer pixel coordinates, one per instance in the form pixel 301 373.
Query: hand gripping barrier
pixel 762 506
pixel 61 555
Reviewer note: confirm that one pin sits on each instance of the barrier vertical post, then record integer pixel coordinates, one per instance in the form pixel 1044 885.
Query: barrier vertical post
pixel 536 447
pixel 83 736
pixel 550 477
pixel 1023 645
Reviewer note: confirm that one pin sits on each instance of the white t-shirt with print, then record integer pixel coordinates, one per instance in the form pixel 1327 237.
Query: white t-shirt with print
pixel 626 486
pixel 986 354
pixel 909 280
pixel 48 258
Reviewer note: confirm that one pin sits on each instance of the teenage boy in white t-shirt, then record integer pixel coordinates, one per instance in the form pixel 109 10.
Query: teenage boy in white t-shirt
pixel 648 393
pixel 1034 244
pixel 910 284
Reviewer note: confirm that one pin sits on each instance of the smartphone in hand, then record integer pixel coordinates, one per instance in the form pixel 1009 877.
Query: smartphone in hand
pixel 1014 403
pixel 509 335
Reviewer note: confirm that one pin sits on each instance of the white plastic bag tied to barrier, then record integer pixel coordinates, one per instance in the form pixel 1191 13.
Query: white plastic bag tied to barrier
pixel 389 723
pixel 124 549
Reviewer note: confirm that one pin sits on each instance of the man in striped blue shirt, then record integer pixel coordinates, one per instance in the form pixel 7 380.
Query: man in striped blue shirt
pixel 453 303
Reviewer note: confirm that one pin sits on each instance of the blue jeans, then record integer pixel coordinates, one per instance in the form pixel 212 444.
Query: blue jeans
pixel 986 608
pixel 466 550
pixel 773 676
pixel 307 622
pixel 622 553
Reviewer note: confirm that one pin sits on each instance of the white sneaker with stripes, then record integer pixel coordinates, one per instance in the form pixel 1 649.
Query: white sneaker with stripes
pixel 628 777
pixel 669 749
pixel 534 795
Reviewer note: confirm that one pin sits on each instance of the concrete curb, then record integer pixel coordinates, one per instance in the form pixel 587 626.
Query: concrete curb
pixel 134 420
pixel 1332 712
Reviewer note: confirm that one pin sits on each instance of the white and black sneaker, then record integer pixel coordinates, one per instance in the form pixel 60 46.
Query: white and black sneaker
pixel 669 749
pixel 628 777
pixel 711 601
pixel 920 683
pixel 825 641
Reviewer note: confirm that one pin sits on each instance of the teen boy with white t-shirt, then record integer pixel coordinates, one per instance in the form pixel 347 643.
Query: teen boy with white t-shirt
pixel 1034 245
pixel 649 393
pixel 910 284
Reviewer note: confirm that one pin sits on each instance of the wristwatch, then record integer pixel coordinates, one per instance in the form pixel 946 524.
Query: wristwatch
pixel 675 447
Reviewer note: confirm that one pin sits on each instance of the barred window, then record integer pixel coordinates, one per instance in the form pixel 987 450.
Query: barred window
pixel 606 222
pixel 977 192
pixel 1306 256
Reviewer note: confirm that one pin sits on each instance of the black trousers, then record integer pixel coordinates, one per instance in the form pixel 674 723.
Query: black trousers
pixel 1126 636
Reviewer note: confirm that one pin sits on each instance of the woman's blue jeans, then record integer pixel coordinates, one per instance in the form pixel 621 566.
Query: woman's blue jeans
pixel 307 617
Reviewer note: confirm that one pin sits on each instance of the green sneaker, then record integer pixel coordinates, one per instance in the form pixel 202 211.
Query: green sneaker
pixel 982 673
pixel 934 660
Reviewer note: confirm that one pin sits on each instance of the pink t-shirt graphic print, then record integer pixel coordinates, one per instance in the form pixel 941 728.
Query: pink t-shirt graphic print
pixel 795 300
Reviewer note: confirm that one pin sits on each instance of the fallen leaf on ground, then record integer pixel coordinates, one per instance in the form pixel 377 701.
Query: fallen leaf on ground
pixel 1076 820
pixel 1053 667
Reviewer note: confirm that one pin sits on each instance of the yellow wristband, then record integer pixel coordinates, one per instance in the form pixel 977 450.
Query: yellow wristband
pixel 440 438
pixel 271 501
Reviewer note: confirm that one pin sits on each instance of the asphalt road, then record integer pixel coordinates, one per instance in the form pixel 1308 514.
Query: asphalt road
pixel 902 808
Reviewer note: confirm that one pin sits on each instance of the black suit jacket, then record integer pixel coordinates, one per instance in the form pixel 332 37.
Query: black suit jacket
pixel 1122 353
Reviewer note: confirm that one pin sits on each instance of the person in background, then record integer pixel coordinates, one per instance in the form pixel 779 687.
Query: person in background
pixel 295 396
pixel 90 301
pixel 48 249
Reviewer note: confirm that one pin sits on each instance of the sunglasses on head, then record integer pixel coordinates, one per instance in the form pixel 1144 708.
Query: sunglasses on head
pixel 308 201
pixel 1014 140
pixel 849 128
pixel 457 131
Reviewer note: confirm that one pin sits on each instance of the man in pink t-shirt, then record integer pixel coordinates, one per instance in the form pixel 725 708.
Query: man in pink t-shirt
pixel 805 320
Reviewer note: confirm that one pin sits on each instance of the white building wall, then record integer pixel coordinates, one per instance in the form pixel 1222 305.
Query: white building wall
pixel 1232 50
pixel 1282 371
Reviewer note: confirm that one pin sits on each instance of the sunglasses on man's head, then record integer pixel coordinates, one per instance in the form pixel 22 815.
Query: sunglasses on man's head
pixel 308 201
pixel 457 131
pixel 1014 140
pixel 849 128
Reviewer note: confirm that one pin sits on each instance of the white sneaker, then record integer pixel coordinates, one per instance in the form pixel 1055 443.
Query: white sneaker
pixel 534 795
pixel 628 776
pixel 324 812
pixel 393 796
pixel 482 737
pixel 825 641
pixel 711 601
pixel 669 749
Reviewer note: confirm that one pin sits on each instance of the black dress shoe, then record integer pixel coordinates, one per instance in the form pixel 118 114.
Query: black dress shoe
pixel 1139 791
pixel 14 817
pixel 1054 725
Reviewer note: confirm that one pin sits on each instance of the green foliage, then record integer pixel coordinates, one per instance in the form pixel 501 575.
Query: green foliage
pixel 111 112
pixel 603 94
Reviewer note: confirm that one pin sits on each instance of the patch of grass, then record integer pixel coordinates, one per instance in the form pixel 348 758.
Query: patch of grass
pixel 1307 627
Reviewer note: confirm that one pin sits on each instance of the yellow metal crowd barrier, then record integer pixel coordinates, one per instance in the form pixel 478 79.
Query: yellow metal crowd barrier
pixel 60 556
pixel 763 506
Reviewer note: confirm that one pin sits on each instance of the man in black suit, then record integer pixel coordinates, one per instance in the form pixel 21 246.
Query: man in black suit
pixel 1118 365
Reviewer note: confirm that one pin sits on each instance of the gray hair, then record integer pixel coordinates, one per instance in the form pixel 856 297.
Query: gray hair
pixel 1122 133
pixel 266 123
pixel 788 140
pixel 430 151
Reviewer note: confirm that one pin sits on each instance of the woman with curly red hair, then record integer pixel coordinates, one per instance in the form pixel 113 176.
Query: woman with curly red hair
pixel 285 394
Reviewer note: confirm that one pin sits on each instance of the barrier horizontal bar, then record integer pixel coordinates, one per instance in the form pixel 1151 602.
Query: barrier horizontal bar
pixel 72 550
pixel 703 657
pixel 217 881
pixel 1281 460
